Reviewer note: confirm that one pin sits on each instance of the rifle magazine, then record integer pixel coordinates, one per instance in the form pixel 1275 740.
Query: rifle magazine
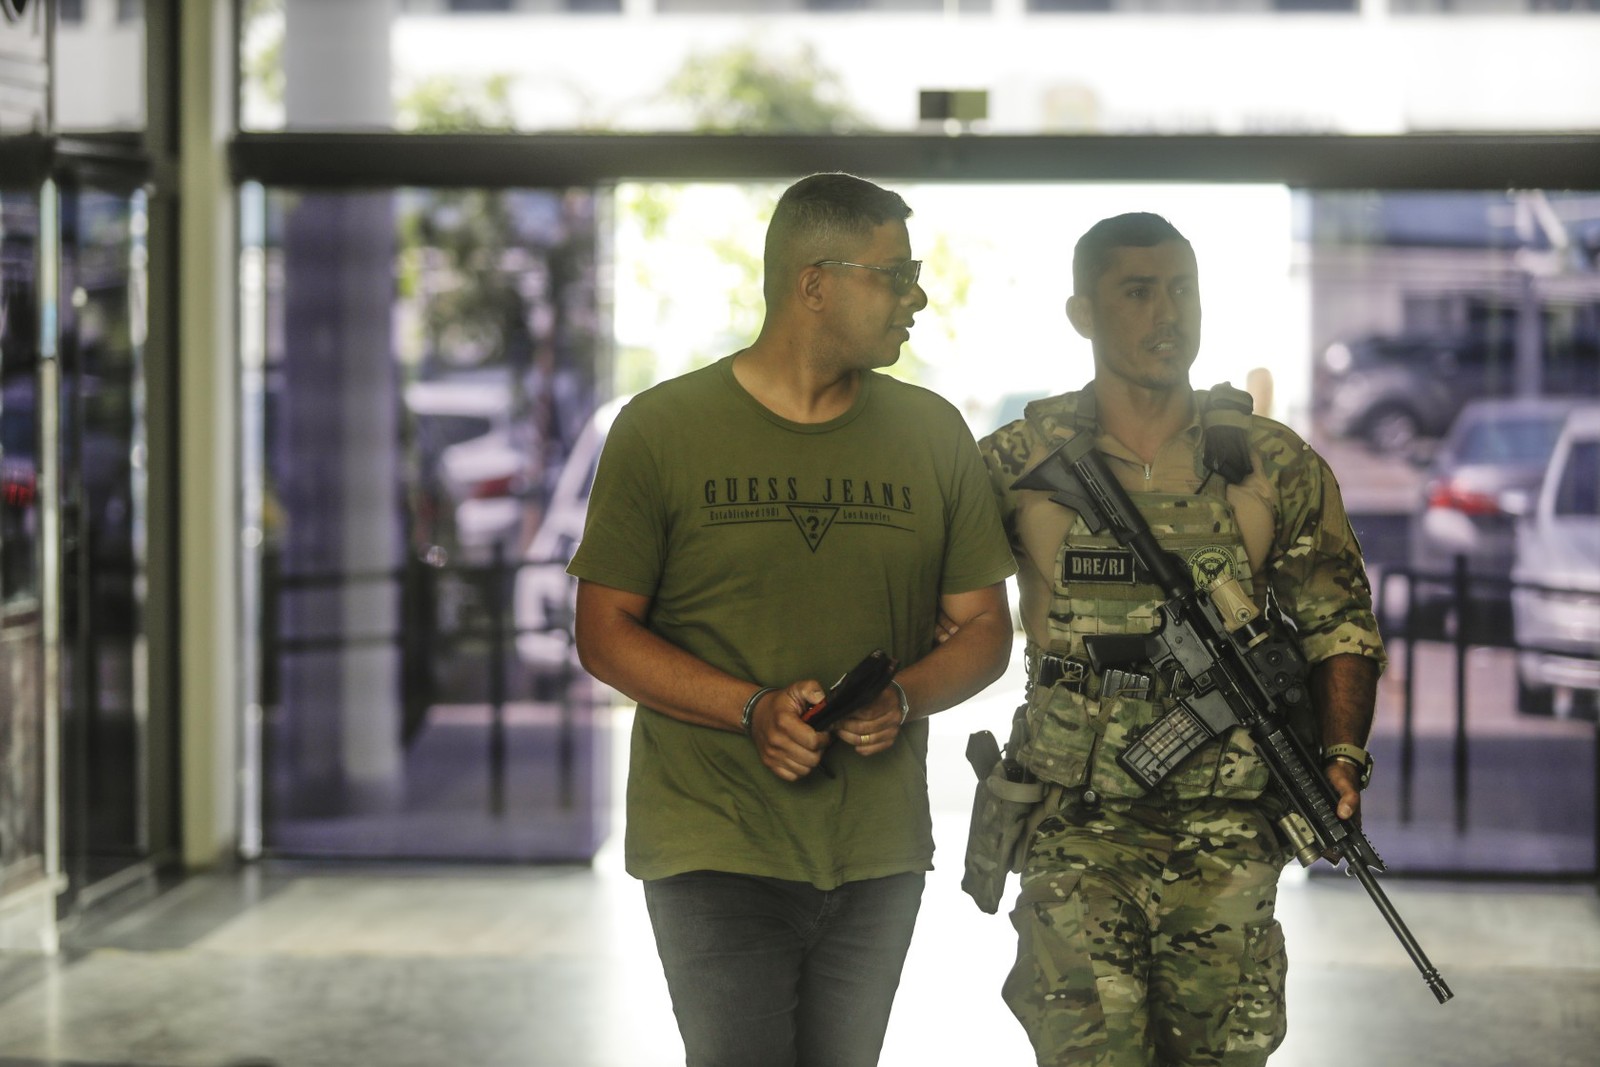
pixel 1164 745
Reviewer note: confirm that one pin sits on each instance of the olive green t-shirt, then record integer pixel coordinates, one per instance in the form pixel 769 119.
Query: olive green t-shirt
pixel 780 551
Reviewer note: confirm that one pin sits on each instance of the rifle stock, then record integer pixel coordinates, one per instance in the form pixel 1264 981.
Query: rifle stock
pixel 1233 667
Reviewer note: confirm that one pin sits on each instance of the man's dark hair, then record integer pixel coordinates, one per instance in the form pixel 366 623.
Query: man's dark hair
pixel 815 213
pixel 1136 229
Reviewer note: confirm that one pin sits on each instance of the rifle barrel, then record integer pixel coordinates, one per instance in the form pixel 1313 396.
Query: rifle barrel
pixel 1430 973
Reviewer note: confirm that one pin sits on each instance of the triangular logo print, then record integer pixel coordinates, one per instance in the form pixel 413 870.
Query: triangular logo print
pixel 813 521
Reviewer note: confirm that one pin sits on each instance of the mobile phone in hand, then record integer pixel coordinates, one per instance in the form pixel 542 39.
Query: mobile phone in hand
pixel 858 687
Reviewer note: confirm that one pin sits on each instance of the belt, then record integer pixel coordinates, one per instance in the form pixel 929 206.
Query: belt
pixel 1052 670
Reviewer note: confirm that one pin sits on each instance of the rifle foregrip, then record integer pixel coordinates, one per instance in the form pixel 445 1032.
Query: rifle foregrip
pixel 1305 790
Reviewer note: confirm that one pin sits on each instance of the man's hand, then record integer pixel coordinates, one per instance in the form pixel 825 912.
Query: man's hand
pixel 1346 781
pixel 874 730
pixel 789 747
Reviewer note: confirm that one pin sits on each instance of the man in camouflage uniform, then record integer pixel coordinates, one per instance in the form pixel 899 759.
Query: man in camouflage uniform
pixel 1145 919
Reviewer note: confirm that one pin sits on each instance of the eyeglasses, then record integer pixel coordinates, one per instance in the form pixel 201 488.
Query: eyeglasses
pixel 902 277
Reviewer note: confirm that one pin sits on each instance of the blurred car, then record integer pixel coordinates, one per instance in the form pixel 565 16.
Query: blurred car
pixel 1389 391
pixel 1483 478
pixel 543 596
pixel 473 465
pixel 1556 601
pixel 1394 391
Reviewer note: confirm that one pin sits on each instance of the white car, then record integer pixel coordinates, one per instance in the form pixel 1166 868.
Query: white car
pixel 479 463
pixel 544 594
pixel 1556 599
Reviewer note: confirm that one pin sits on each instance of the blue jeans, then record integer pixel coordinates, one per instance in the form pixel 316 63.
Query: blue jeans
pixel 770 973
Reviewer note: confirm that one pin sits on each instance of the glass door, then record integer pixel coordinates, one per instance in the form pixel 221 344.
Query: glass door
pixel 100 309
pixel 27 856
pixel 418 379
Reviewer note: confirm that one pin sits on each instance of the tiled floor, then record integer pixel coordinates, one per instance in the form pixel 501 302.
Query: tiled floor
pixel 554 967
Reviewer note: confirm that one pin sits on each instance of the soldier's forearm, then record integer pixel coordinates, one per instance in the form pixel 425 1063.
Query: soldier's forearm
pixel 1345 691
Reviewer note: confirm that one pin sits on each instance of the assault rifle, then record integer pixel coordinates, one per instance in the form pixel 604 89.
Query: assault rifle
pixel 1232 666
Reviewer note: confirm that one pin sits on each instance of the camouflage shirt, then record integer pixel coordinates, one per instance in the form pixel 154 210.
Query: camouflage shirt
pixel 1302 551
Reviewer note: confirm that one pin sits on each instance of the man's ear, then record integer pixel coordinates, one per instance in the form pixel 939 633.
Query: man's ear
pixel 808 286
pixel 1080 312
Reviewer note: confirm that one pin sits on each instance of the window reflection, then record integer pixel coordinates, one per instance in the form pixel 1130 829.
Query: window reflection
pixel 101 442
pixel 434 360
pixel 1429 300
pixel 675 65
pixel 99 63
pixel 430 362
pixel 19 399
pixel 22 736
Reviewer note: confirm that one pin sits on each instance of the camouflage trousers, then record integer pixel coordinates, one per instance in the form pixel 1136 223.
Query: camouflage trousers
pixel 1146 936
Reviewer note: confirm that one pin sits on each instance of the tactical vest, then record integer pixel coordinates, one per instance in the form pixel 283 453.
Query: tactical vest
pixel 1077 720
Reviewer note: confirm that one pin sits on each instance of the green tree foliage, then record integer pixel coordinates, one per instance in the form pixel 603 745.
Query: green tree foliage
pixel 455 261
pixel 261 58
pixel 456 256
pixel 454 104
pixel 743 89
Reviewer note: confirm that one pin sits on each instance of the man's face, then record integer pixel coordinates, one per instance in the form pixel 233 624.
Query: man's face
pixel 1143 318
pixel 870 319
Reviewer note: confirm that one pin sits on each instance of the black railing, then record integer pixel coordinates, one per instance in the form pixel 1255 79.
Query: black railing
pixel 422 640
pixel 1479 607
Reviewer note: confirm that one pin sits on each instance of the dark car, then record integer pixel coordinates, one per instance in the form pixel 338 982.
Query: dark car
pixel 1393 391
pixel 1484 476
